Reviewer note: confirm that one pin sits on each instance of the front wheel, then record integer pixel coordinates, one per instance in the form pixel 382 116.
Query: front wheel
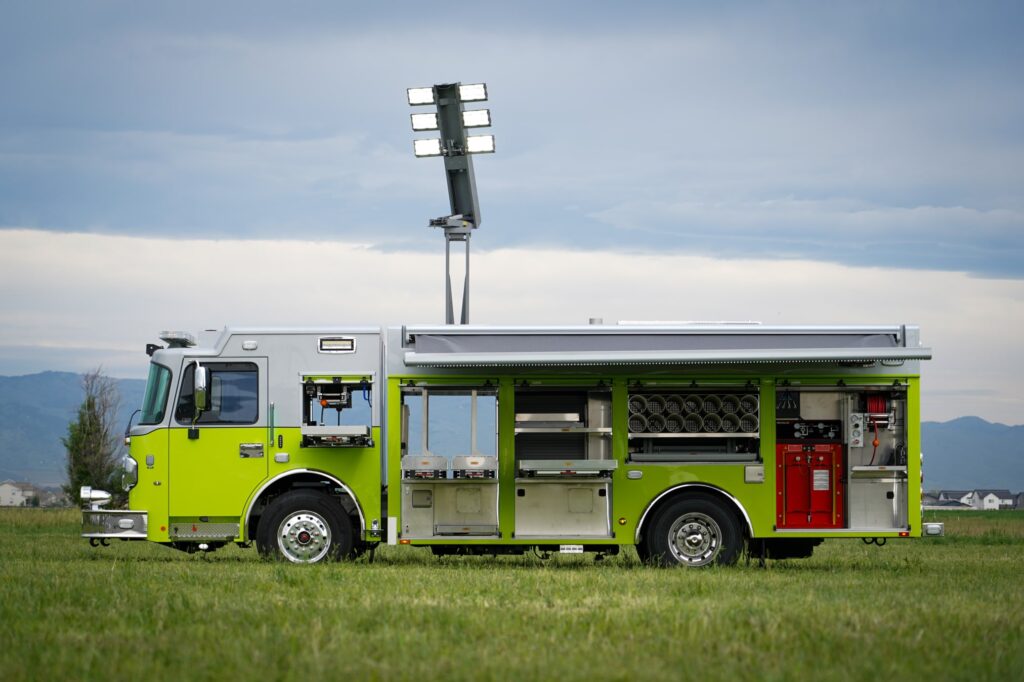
pixel 304 527
pixel 695 531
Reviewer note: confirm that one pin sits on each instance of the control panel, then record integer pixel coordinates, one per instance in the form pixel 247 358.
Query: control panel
pixel 856 429
pixel 822 430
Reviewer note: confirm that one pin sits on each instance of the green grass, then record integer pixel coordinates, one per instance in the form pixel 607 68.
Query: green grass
pixel 914 609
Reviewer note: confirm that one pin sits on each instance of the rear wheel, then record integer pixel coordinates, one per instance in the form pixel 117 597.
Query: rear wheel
pixel 695 531
pixel 304 527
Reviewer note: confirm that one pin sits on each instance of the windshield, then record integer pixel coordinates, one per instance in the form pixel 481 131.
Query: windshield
pixel 154 403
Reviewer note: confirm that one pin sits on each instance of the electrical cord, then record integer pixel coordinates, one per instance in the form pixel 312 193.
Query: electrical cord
pixel 875 442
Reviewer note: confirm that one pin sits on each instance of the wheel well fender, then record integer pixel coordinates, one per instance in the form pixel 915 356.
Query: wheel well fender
pixel 297 478
pixel 678 491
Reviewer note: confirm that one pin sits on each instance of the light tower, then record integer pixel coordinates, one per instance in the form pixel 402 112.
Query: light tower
pixel 457 148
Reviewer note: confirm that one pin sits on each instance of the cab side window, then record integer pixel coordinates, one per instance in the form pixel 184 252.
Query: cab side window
pixel 234 394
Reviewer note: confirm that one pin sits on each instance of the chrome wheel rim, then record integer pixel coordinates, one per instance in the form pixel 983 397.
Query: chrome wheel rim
pixel 695 539
pixel 304 537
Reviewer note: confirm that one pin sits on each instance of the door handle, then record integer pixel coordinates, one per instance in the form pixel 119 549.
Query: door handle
pixel 251 450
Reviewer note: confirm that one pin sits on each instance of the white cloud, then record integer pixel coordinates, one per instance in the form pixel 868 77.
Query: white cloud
pixel 70 299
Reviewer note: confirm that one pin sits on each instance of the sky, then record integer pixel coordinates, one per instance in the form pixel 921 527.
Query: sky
pixel 192 165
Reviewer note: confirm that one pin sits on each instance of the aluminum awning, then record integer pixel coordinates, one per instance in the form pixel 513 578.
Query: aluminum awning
pixel 691 345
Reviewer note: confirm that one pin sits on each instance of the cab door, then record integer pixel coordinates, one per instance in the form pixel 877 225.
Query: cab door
pixel 218 457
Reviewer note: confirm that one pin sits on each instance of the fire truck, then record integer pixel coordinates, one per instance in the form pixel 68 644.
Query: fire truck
pixel 692 443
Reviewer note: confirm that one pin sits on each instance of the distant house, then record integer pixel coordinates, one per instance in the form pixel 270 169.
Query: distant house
pixel 990 499
pixel 18 494
pixel 14 494
pixel 947 504
pixel 1019 503
pixel 954 495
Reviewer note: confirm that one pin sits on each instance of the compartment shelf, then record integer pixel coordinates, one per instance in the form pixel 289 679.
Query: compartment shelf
pixel 716 434
pixel 601 430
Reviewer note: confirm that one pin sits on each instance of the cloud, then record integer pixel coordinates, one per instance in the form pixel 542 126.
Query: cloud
pixel 74 299
pixel 853 134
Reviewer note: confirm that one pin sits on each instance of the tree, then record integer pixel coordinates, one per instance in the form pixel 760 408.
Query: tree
pixel 92 444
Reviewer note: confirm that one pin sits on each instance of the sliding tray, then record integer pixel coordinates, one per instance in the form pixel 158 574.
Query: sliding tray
pixel 561 468
pixel 336 437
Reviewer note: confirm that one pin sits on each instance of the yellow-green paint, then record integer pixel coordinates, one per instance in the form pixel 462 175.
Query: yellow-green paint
pixel 632 497
pixel 150 493
pixel 206 477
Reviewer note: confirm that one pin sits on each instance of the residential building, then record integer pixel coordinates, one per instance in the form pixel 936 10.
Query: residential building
pixel 990 499
pixel 14 494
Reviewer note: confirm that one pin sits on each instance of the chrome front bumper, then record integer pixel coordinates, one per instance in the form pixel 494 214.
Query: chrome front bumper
pixel 114 523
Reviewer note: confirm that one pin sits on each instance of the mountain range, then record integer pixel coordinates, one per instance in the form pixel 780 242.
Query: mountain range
pixel 35 410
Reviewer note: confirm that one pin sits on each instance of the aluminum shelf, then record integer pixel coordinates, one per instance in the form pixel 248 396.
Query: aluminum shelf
pixel 689 434
pixel 600 430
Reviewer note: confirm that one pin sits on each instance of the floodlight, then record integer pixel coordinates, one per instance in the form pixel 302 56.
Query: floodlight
pixel 421 96
pixel 427 147
pixel 480 144
pixel 477 92
pixel 481 118
pixel 424 121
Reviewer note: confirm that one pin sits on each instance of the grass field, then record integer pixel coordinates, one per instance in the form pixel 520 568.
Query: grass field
pixel 945 609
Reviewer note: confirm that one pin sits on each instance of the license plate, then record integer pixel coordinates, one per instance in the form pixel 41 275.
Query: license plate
pixel 570 549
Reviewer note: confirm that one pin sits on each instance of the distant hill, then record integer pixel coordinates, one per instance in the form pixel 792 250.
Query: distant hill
pixel 970 452
pixel 35 410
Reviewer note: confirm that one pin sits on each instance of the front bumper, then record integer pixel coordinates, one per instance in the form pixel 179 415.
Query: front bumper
pixel 114 523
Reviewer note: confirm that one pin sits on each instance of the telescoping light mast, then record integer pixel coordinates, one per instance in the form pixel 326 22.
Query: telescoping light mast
pixel 451 120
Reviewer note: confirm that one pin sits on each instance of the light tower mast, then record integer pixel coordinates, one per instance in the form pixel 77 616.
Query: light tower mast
pixel 457 148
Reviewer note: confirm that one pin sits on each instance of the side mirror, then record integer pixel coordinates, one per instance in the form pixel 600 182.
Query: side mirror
pixel 200 398
pixel 200 391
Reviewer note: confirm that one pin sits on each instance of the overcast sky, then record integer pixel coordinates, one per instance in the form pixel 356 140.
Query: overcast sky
pixel 191 165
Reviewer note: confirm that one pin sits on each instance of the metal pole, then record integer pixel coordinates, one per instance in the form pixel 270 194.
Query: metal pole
pixel 449 310
pixel 465 288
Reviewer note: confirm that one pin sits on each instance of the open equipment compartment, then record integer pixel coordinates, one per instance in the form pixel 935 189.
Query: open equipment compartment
pixel 563 461
pixel 842 457
pixel 349 399
pixel 449 476
pixel 689 423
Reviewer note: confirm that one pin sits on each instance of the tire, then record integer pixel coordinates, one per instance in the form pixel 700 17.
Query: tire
pixel 695 531
pixel 304 527
pixel 643 551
